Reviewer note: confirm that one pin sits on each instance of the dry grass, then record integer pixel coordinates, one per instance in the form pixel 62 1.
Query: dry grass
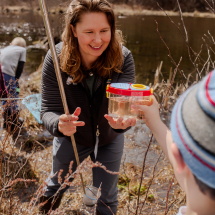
pixel 33 152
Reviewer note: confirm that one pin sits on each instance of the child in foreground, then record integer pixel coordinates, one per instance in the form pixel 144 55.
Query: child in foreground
pixel 190 145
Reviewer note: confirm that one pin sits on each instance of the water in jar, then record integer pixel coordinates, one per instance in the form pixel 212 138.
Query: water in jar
pixel 120 106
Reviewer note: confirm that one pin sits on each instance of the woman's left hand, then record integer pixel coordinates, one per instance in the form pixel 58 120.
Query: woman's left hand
pixel 120 123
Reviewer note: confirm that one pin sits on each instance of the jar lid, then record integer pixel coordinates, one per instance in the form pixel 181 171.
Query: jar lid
pixel 126 89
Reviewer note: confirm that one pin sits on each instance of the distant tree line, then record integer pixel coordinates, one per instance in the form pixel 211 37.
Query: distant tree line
pixel 186 5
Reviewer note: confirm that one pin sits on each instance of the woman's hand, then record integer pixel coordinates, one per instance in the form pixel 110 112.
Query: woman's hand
pixel 67 123
pixel 120 123
pixel 151 113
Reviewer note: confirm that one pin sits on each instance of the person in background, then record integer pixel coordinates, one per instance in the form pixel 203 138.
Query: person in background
pixel 3 89
pixel 90 54
pixel 190 145
pixel 12 59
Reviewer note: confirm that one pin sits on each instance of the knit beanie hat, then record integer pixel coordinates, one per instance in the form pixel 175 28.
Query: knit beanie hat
pixel 193 129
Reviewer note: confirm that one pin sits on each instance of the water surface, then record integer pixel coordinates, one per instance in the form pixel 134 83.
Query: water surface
pixel 140 33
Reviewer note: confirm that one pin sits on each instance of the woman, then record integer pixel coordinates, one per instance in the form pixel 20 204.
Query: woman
pixel 90 54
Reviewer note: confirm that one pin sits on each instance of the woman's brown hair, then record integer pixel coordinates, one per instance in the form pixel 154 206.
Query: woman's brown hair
pixel 70 58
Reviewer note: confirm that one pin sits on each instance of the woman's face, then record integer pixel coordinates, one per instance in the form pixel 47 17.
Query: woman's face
pixel 94 34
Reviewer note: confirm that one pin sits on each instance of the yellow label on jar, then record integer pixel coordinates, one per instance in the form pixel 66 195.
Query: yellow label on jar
pixel 139 86
pixel 151 90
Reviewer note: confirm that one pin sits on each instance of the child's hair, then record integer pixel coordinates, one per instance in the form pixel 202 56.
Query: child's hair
pixel 70 58
pixel 19 41
pixel 205 188
pixel 193 131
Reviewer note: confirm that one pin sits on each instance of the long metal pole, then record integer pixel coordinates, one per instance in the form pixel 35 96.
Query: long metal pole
pixel 58 74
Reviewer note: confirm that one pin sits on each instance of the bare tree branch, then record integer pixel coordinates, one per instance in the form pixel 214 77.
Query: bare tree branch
pixel 153 175
pixel 185 39
pixel 143 168
pixel 167 196
pixel 211 8
pixel 170 56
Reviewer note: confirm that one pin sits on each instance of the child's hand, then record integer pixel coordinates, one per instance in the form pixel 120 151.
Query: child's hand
pixel 151 113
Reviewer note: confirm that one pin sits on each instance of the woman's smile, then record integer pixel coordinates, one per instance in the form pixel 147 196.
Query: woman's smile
pixel 96 48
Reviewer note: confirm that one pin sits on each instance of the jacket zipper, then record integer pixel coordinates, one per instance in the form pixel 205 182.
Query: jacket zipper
pixel 90 98
pixel 97 142
pixel 97 131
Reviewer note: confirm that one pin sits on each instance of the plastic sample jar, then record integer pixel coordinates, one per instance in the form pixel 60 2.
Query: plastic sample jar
pixel 91 196
pixel 122 96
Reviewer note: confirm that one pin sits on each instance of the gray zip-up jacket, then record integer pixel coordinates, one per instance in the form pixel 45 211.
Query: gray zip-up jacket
pixel 93 108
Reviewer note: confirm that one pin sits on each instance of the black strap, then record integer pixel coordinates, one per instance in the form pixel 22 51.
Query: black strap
pixel 19 69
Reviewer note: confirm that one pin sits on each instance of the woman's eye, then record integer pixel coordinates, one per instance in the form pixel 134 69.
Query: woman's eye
pixel 104 31
pixel 89 32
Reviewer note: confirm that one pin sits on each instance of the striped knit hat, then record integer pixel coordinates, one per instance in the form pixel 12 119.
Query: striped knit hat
pixel 193 129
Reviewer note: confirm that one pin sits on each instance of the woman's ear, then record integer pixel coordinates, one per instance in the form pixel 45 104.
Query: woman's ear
pixel 73 30
pixel 180 164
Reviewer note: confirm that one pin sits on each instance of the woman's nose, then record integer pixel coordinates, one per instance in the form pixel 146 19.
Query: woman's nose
pixel 97 38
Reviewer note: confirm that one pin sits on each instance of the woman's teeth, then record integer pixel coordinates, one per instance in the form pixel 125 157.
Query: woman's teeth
pixel 96 47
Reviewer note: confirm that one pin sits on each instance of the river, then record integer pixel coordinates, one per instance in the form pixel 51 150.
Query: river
pixel 140 34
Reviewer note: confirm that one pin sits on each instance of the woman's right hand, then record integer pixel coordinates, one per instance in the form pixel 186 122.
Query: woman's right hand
pixel 67 123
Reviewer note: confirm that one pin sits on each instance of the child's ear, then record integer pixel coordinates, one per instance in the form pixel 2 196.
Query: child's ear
pixel 73 30
pixel 179 159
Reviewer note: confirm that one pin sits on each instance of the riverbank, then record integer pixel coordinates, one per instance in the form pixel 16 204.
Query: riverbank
pixel 119 9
